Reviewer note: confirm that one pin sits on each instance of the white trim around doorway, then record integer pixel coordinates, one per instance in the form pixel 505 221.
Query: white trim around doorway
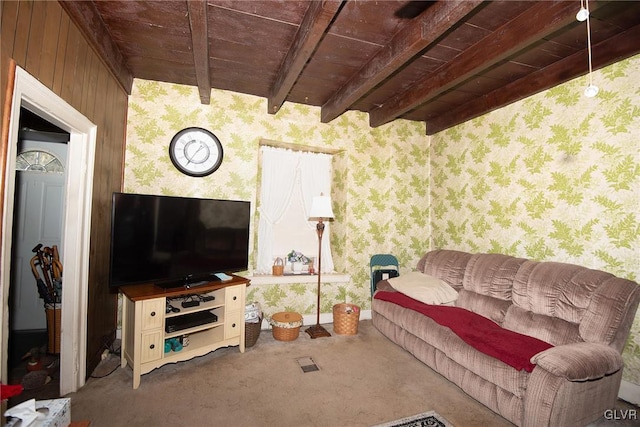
pixel 37 98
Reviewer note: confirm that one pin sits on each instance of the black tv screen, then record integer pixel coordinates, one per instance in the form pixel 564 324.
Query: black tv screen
pixel 176 241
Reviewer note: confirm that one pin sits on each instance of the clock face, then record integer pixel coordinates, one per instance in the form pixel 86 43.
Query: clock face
pixel 196 152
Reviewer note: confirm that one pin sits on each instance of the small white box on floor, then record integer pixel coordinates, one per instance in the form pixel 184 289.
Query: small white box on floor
pixel 47 413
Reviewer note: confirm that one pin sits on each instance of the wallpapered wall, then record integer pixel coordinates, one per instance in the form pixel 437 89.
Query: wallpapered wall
pixel 553 177
pixel 380 177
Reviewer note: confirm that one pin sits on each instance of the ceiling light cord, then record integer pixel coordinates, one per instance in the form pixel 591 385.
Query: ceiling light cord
pixel 584 15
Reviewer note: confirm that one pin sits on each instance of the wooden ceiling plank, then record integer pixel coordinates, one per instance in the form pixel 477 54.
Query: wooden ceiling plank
pixel 614 49
pixel 403 47
pixel 200 42
pixel 540 20
pixel 86 17
pixel 311 31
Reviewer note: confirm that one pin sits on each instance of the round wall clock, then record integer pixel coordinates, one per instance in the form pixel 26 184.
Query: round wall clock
pixel 196 152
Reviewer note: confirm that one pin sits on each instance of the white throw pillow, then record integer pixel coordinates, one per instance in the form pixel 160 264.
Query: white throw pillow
pixel 424 288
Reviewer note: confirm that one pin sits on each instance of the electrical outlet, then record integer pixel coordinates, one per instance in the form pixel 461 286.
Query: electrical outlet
pixel 105 354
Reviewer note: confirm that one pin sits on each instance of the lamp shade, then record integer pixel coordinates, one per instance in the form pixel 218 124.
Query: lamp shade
pixel 321 208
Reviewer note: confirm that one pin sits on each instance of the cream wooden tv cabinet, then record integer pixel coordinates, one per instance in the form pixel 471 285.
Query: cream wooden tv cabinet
pixel 144 318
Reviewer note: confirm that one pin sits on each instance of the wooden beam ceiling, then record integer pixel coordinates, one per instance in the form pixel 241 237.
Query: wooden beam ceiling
pixel 200 42
pixel 406 44
pixel 441 62
pixel 604 53
pixel 311 31
pixel 540 20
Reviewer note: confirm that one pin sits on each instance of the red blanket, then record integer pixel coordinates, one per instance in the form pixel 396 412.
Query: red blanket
pixel 483 334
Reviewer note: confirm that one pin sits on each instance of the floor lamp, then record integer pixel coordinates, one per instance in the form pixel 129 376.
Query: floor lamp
pixel 320 211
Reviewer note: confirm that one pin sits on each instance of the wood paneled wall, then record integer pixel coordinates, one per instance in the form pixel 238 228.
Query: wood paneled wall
pixel 40 37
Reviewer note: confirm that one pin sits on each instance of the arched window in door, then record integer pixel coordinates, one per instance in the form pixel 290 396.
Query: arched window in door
pixel 38 161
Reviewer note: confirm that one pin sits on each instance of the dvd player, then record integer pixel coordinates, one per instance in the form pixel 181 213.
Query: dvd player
pixel 191 320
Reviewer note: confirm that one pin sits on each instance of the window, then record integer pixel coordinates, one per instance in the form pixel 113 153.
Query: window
pixel 290 180
pixel 38 161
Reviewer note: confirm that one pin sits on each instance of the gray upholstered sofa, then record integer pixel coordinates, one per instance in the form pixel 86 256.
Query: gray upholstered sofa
pixel 584 314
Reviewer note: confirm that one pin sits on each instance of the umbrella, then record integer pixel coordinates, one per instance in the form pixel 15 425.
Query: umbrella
pixel 43 289
pixel 48 259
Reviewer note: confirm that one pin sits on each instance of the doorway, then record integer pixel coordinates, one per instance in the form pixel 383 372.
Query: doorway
pixel 32 95
pixel 37 220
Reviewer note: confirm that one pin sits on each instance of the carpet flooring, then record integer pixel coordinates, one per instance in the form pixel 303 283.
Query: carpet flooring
pixel 360 380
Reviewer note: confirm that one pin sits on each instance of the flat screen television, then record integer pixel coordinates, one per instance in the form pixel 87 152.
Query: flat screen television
pixel 176 241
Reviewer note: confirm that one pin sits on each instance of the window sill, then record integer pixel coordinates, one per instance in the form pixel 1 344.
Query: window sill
pixel 282 280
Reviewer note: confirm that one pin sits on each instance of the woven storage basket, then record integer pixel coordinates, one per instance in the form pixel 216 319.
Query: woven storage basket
pixel 286 325
pixel 54 313
pixel 345 319
pixel 278 267
pixel 252 333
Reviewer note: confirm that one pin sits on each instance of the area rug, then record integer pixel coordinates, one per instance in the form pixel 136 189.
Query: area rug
pixel 426 419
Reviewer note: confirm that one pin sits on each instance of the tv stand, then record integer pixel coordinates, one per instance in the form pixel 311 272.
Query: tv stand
pixel 144 323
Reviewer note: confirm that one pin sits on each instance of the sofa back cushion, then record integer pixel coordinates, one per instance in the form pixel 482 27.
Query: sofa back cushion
pixel 550 329
pixel 446 265
pixel 562 303
pixel 556 302
pixel 492 275
pixel 487 284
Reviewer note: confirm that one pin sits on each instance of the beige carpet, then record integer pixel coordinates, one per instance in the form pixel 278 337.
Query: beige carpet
pixel 363 380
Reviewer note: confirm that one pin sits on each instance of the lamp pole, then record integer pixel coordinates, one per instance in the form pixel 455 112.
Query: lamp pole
pixel 317 331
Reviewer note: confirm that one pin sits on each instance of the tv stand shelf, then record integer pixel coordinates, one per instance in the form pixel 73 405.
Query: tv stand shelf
pixel 144 320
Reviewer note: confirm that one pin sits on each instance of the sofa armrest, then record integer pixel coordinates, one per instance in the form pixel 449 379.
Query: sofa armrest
pixel 579 361
pixel 384 285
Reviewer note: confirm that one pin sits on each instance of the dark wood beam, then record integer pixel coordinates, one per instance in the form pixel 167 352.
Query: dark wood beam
pixel 200 42
pixel 404 46
pixel 538 21
pixel 614 49
pixel 311 31
pixel 86 17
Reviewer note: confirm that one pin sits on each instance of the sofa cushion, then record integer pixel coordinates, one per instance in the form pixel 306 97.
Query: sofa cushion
pixel 491 275
pixel 547 328
pixel 610 305
pixel 594 301
pixel 489 307
pixel 556 289
pixel 411 323
pixel 424 288
pixel 477 331
pixel 445 264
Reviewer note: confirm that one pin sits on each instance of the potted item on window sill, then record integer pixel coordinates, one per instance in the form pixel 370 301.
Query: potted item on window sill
pixel 296 267
pixel 298 263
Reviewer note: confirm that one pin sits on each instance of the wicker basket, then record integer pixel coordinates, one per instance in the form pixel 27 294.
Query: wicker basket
pixel 54 313
pixel 345 319
pixel 286 325
pixel 278 267
pixel 252 333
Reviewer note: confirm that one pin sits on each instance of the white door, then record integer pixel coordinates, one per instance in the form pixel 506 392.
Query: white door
pixel 38 213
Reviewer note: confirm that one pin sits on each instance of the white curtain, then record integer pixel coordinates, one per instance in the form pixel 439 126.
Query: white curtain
pixel 315 179
pixel 280 168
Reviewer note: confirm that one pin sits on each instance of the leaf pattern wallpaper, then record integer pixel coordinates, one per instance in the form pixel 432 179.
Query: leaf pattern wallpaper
pixel 380 178
pixel 552 177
